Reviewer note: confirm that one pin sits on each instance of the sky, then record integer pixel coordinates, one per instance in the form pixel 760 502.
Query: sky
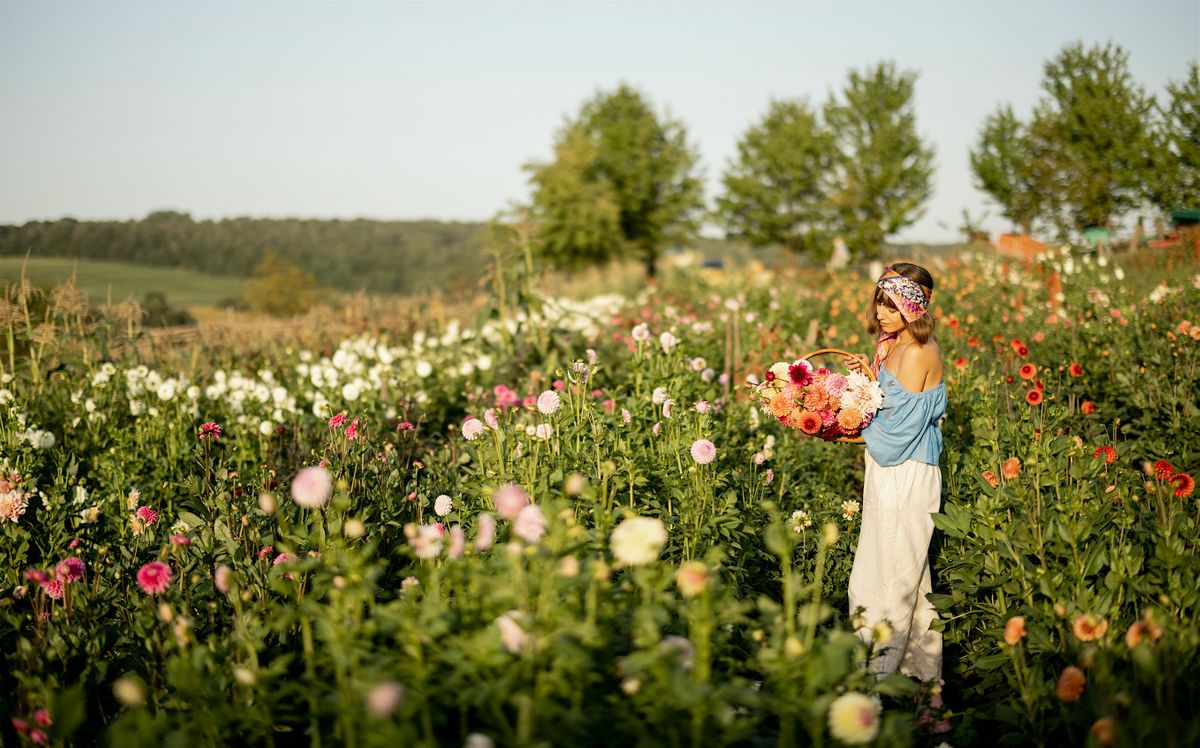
pixel 406 110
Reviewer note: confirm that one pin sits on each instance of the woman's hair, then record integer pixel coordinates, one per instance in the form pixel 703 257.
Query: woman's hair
pixel 922 327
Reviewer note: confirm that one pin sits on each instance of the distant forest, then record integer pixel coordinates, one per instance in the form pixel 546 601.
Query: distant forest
pixel 375 256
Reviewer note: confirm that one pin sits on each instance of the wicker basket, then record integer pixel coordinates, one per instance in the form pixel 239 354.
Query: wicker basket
pixel 869 374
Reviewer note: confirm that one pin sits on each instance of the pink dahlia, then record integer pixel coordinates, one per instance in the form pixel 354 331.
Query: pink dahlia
pixel 836 384
pixel 801 373
pixel 530 524
pixel 510 499
pixel 485 533
pixel 210 431
pixel 312 487
pixel 54 589
pixel 703 451
pixel 337 421
pixel 69 570
pixel 147 515
pixel 154 578
pixel 352 430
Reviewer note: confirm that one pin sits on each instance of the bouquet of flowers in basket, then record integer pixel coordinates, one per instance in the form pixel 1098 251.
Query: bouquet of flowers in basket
pixel 819 402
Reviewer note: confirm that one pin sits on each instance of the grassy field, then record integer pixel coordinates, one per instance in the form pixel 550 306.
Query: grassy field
pixel 184 288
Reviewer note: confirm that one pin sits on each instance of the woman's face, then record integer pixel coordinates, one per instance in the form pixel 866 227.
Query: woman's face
pixel 890 320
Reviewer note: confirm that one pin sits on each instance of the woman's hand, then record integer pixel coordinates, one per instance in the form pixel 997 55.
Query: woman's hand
pixel 857 363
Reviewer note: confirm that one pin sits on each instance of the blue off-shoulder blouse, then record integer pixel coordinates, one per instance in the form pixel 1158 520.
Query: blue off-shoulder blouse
pixel 906 425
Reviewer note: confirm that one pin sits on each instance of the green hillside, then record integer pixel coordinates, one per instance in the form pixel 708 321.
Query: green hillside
pixel 376 256
pixel 184 288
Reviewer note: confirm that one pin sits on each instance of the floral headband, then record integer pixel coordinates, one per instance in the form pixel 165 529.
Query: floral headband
pixel 911 298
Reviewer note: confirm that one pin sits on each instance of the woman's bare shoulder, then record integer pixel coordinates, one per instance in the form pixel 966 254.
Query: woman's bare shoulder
pixel 921 366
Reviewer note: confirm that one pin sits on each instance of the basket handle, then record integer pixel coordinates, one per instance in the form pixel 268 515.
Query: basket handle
pixel 870 374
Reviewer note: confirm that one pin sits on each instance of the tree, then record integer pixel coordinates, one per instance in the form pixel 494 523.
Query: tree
pixel 1174 181
pixel 884 169
pixel 578 216
pixel 776 192
pixel 617 154
pixel 1096 119
pixel 1005 168
pixel 279 288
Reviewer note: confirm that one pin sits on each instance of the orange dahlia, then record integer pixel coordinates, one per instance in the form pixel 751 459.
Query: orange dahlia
pixel 1087 408
pixel 809 422
pixel 1034 397
pixel 991 478
pixel 1104 730
pixel 1011 468
pixel 1028 371
pixel 1184 485
pixel 1142 630
pixel 1089 628
pixel 815 399
pixel 1108 453
pixel 1014 630
pixel 849 419
pixel 1070 684
pixel 780 405
pixel 1075 370
pixel 1163 470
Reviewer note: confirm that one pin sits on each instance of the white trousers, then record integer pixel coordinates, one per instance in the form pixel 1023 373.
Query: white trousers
pixel 891 566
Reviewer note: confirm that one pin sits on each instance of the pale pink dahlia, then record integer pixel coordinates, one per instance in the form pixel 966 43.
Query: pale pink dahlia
pixel 510 499
pixel 703 451
pixel 312 487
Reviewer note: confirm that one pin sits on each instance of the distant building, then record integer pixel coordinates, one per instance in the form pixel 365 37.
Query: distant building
pixel 1019 246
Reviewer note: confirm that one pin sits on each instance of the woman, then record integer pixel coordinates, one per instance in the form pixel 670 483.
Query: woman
pixel 903 483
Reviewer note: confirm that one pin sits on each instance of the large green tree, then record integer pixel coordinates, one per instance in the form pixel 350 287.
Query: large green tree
pixel 1175 179
pixel 1006 169
pixel 884 169
pixel 1096 118
pixel 635 171
pixel 776 191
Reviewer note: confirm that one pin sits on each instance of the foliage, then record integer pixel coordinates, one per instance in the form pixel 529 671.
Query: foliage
pixel 1175 181
pixel 157 312
pixel 279 288
pixel 883 168
pixel 1004 166
pixel 1099 118
pixel 360 254
pixel 777 190
pixel 360 622
pixel 623 181
pixel 579 220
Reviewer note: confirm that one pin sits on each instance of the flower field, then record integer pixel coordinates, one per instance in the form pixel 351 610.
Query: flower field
pixel 571 524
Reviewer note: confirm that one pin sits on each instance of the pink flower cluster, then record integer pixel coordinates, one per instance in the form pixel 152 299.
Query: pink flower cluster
pixel 36 735
pixel 210 431
pixel 340 420
pixel 65 572
pixel 13 500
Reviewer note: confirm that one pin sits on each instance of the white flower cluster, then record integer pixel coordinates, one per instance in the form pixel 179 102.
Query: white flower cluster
pixel 37 438
pixel 861 393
